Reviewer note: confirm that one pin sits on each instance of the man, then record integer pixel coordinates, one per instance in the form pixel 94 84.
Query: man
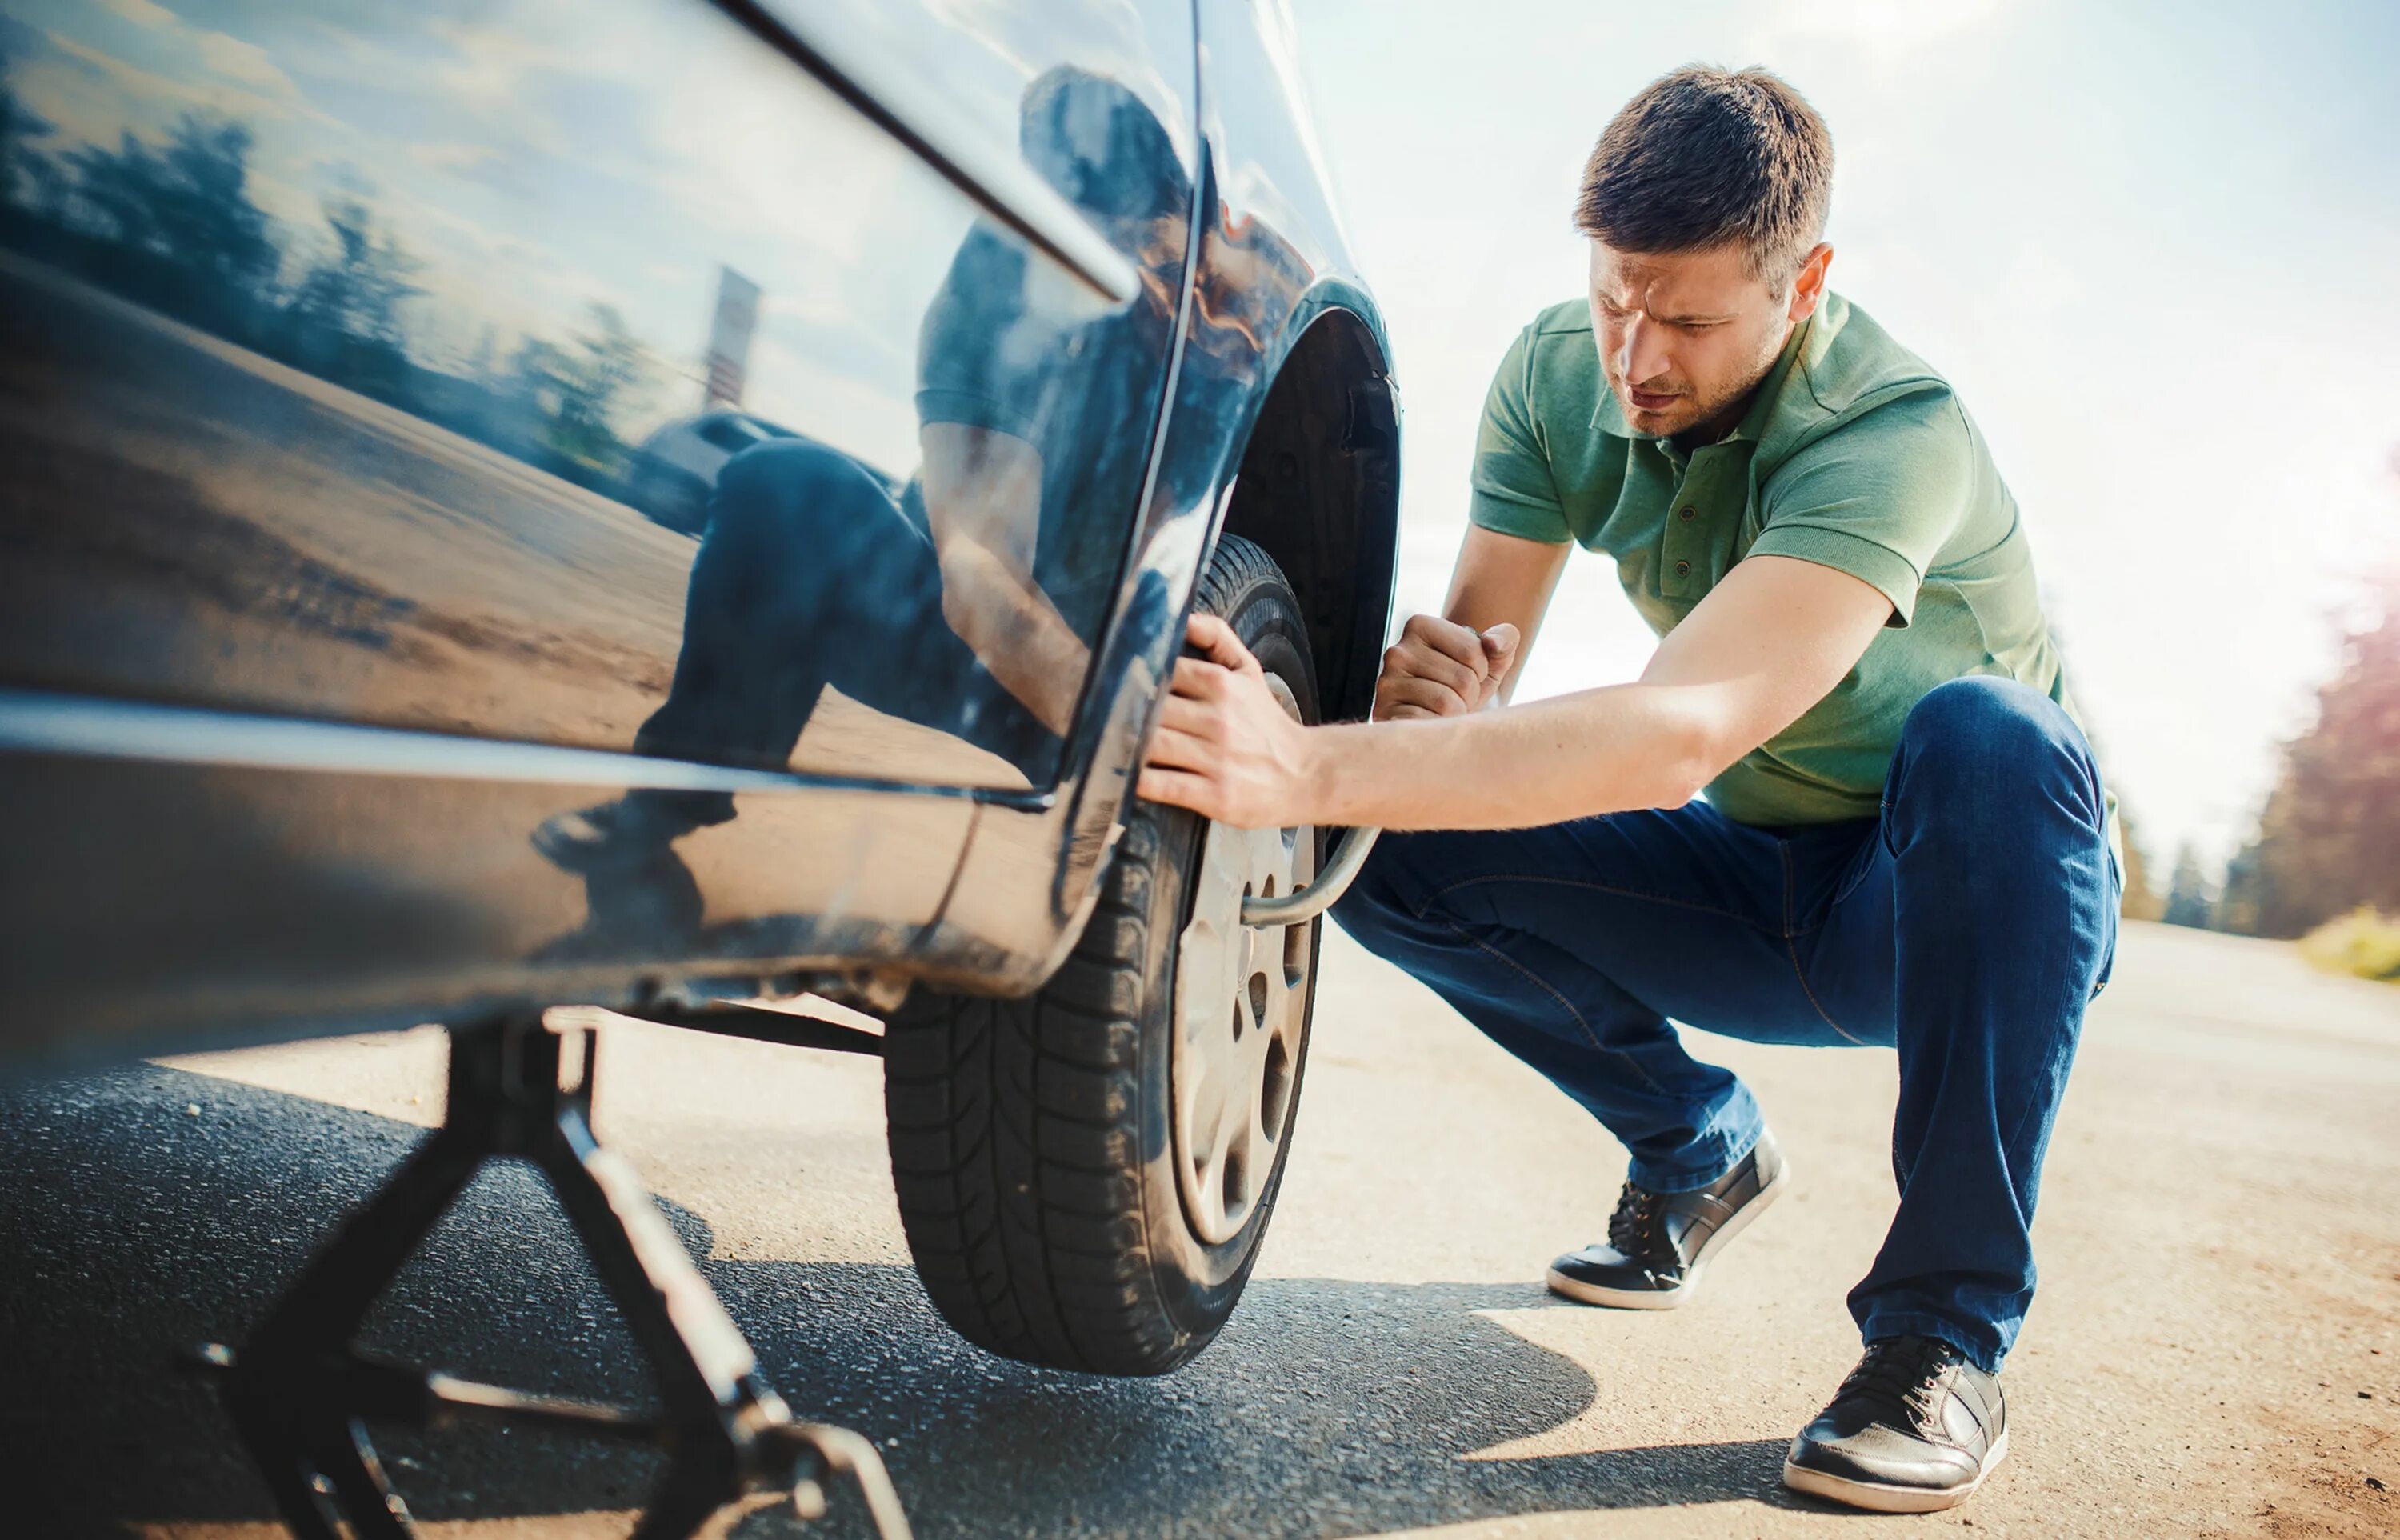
pixel 1904 839
pixel 964 598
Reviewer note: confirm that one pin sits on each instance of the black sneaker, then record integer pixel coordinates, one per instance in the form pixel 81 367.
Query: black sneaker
pixel 1659 1242
pixel 1914 1429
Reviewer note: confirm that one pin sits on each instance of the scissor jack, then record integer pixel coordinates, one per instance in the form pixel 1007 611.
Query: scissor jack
pixel 301 1395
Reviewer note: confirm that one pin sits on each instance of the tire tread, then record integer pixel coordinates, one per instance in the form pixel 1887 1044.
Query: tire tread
pixel 1015 1141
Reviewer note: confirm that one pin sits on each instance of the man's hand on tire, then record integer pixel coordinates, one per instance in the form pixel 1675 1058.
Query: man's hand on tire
pixel 1225 747
pixel 1439 668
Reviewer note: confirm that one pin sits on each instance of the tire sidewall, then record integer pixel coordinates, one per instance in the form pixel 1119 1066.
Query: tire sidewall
pixel 1198 1283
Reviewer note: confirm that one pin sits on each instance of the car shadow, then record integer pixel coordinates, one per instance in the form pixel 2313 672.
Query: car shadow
pixel 149 1208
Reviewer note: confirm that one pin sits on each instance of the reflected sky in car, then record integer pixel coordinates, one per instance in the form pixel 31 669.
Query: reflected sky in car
pixel 528 155
pixel 512 220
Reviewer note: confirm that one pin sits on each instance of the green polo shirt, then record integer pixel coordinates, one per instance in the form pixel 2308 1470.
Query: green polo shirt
pixel 1854 455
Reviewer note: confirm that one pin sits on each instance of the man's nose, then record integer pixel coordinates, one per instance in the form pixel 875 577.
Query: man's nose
pixel 1644 352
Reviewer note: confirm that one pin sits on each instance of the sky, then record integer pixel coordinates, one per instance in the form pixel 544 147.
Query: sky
pixel 2152 245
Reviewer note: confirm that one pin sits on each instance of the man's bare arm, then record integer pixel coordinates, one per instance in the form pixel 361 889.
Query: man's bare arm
pixel 1471 654
pixel 1505 579
pixel 1769 642
pixel 983 499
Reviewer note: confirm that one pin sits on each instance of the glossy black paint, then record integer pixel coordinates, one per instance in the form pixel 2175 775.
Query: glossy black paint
pixel 358 661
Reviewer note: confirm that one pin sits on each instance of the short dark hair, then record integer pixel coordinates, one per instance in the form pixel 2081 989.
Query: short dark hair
pixel 1706 157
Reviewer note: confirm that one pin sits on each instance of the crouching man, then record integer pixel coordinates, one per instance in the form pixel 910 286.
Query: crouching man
pixel 1904 841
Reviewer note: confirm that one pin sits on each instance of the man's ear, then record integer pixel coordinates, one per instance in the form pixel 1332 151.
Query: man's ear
pixel 1808 289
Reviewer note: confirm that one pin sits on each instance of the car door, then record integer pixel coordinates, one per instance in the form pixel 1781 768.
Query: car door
pixel 335 333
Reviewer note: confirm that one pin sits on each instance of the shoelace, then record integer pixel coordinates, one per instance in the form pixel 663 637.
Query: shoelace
pixel 1901 1375
pixel 1634 1228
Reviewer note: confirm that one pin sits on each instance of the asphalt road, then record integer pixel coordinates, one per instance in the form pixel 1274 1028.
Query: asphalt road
pixel 2215 1351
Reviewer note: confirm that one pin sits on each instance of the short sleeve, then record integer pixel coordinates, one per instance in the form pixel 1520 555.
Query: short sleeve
pixel 1514 492
pixel 1878 497
pixel 963 368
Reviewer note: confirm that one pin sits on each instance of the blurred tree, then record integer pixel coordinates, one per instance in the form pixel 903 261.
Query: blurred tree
pixel 2329 839
pixel 581 393
pixel 175 225
pixel 21 165
pixel 601 377
pixel 2141 900
pixel 346 313
pixel 357 290
pixel 2188 900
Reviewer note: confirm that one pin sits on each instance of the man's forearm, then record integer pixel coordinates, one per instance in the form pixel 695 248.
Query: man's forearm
pixel 1008 622
pixel 1635 745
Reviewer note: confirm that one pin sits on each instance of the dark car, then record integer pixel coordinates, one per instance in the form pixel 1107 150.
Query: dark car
pixel 669 479
pixel 341 691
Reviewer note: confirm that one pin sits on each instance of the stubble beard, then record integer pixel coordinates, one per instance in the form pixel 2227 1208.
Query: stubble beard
pixel 1715 414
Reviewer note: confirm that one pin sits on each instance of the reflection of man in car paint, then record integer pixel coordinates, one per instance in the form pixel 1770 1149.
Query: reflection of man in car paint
pixel 967 598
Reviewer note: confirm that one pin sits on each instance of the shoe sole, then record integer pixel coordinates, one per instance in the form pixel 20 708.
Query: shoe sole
pixel 1668 1298
pixel 1886 1498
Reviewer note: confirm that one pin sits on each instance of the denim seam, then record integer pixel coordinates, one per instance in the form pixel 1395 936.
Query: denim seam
pixel 1797 972
pixel 1565 1003
pixel 1591 887
pixel 1791 950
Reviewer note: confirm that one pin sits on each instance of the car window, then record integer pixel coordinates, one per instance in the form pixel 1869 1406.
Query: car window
pixel 730 433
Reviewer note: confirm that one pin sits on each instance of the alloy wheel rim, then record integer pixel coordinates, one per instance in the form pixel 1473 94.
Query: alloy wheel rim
pixel 1241 993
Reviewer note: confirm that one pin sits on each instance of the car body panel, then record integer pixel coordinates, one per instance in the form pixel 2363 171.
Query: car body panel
pixel 285 709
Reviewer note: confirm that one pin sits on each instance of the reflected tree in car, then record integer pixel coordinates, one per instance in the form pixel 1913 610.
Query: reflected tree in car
pixel 967 598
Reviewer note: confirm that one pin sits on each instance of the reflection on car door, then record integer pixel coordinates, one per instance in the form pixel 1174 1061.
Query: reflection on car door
pixel 339 341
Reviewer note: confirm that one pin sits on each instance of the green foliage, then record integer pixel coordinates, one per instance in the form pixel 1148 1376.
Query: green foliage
pixel 2360 942
pixel 2328 840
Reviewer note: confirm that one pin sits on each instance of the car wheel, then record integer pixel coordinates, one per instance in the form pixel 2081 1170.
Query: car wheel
pixel 1084 1174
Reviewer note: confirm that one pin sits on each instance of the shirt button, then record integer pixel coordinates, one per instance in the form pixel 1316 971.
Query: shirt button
pixel 1688 512
pixel 1682 569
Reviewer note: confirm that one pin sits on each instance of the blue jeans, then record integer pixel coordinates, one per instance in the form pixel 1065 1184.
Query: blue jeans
pixel 1968 926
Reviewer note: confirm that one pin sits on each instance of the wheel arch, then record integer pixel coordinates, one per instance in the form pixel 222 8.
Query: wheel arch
pixel 1317 488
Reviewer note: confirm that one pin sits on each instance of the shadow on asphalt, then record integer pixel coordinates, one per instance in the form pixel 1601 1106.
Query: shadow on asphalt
pixel 131 1228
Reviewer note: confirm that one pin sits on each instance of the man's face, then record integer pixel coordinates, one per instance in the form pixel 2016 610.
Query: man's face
pixel 1683 335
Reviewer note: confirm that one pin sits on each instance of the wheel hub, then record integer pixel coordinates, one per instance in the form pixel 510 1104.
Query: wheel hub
pixel 1241 994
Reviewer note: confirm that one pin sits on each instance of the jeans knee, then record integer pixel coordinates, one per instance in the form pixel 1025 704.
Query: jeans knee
pixel 795 490
pixel 1373 900
pixel 1982 719
pixel 1995 742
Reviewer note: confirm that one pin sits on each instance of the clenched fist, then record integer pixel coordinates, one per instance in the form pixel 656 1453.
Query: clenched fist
pixel 1439 668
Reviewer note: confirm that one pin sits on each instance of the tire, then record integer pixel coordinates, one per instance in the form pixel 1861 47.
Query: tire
pixel 1045 1181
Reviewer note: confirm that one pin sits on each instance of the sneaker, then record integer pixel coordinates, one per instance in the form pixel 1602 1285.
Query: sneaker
pixel 1659 1241
pixel 1914 1429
